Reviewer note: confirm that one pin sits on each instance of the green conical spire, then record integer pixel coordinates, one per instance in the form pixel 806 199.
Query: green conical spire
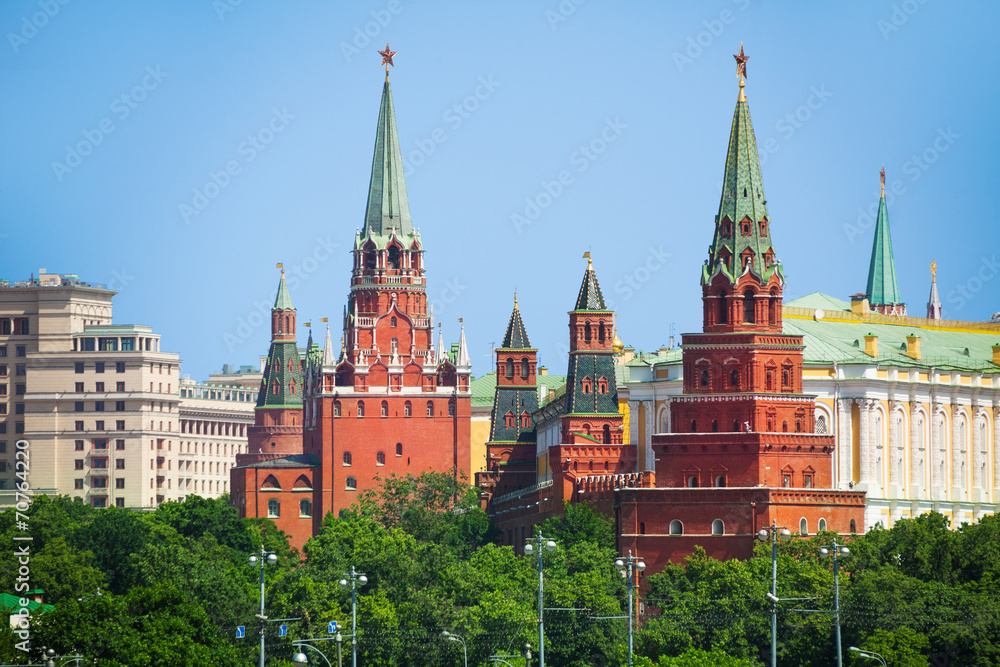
pixel 517 336
pixel 283 300
pixel 590 297
pixel 742 201
pixel 388 207
pixel 882 289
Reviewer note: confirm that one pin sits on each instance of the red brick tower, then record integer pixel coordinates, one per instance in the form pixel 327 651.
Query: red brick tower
pixel 388 402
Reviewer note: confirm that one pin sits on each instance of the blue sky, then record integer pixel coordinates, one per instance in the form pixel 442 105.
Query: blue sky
pixel 602 125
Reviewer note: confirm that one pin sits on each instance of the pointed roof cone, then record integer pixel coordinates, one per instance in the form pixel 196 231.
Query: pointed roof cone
pixel 283 301
pixel 462 359
pixel 934 302
pixel 517 336
pixel 882 286
pixel 742 198
pixel 441 353
pixel 590 297
pixel 388 207
pixel 328 358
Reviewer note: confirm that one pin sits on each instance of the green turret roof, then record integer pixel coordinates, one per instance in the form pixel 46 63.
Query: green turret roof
pixel 882 286
pixel 590 297
pixel 283 300
pixel 742 198
pixel 517 335
pixel 388 207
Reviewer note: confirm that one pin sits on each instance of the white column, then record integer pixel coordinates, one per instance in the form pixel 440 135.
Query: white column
pixel 937 435
pixel 996 453
pixel 978 455
pixel 867 446
pixel 650 407
pixel 844 430
pixel 633 422
pixel 895 451
pixel 957 453
pixel 917 453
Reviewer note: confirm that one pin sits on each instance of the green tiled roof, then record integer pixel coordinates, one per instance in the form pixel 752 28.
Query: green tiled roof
pixel 484 388
pixel 742 197
pixel 388 207
pixel 590 297
pixel 517 336
pixel 882 285
pixel 593 366
pixel 11 603
pixel 513 400
pixel 283 300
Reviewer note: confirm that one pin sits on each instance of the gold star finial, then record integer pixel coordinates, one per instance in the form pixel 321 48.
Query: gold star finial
pixel 741 70
pixel 515 299
pixel 387 59
pixel 881 176
pixel 933 271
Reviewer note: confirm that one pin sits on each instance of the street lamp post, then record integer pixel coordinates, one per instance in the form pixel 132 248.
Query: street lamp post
pixel 772 533
pixel 825 552
pixel 301 658
pixel 543 544
pixel 627 566
pixel 356 579
pixel 871 655
pixel 455 638
pixel 263 558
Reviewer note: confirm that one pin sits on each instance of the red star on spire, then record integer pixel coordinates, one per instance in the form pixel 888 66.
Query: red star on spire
pixel 387 57
pixel 741 63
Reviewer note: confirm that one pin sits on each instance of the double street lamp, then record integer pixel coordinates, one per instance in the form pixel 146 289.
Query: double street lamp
pixel 262 558
pixel 773 533
pixel 834 549
pixel 540 543
pixel 455 638
pixel 353 580
pixel 627 566
pixel 871 655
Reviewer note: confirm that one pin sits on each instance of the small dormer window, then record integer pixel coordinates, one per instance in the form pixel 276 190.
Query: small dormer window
pixel 763 227
pixel 746 228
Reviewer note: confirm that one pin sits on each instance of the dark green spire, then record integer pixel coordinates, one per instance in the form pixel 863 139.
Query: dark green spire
pixel 388 207
pixel 883 290
pixel 283 300
pixel 517 335
pixel 742 199
pixel 590 297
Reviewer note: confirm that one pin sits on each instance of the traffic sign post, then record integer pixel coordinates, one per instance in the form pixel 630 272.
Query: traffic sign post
pixel 241 631
pixel 332 627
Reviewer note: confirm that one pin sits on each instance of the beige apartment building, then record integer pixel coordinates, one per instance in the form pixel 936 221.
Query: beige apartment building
pixel 99 404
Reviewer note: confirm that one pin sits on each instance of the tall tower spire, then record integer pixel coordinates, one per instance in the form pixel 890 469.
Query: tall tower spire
pixel 281 385
pixel 883 290
pixel 742 280
pixel 934 302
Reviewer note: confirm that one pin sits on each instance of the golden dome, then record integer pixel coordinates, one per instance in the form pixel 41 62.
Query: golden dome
pixel 617 345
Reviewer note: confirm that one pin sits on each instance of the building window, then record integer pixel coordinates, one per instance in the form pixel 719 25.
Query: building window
pixel 407 409
pixel 854 527
pixel 803 526
pixel 336 408
pixel 508 419
pixel 704 378
pixel 119 406
pixel 694 425
pixel 3 350
pixel 786 481
pixel 351 484
pixel 749 312
pixel 78 425
pixel 745 226
pixel 720 481
pixel 347 458
pixel 525 420
pixel 19 351
pixel 78 464
pixel 784 426
pixel 393 322
pixel 120 366
pixel 273 508
pixel 821 424
pixel 380 459
pixel 385 409
pixel 430 408
pixel 20 369
pixel 305 508
pixel 691 482
pixel 785 378
pixel 822 525
pixel 98 366
pixel 3 369
pixel 78 367
pixel 78 406
pixel 718 528
pixel 99 406
pixel 120 425
pixel 99 425
pixel 120 465
pixel 120 444
pixel 451 408
pixel 399 449
pixel 361 409
pixel 77 484
pixel 510 368
pixel 291 387
pixel 676 527
pixel 525 367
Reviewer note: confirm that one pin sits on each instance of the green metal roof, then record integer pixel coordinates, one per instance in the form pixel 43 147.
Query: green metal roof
pixel 517 336
pixel 590 297
pixel 818 300
pixel 742 197
pixel 484 388
pixel 882 286
pixel 388 207
pixel 283 300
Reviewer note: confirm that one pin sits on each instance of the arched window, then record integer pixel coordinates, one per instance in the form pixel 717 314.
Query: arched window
pixel 821 424
pixel 720 480
pixel 600 332
pixel 385 409
pixel 785 378
pixel 291 387
pixel 361 409
pixel 734 378
pixel 585 385
pixel 749 310
pixel 642 527
pixel 606 433
pixel 508 420
pixel 822 525
pixel 451 408
pixel 524 368
pixel 273 508
pixel 602 385
pixel 586 332
pixel 803 526
pixel 393 322
pixel 430 408
pixel 525 420
pixel 336 408
pixel 718 528
pixel 676 527
pixel 291 365
pixel 854 527
pixel 380 459
pixel 715 426
pixel 351 484
pixel 399 449
pixel 784 426
pixel 694 425
pixel 772 309
pixel 691 482
pixel 305 508
pixel 769 381
pixel 393 257
pixel 510 368
pixel 274 387
pixel 347 458
pixel 704 378
pixel 407 409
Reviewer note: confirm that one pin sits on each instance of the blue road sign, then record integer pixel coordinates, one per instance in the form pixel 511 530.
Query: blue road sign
pixel 332 627
pixel 282 630
pixel 241 631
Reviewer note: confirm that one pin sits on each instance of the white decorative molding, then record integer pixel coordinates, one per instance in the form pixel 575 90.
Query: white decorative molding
pixel 650 410
pixel 844 432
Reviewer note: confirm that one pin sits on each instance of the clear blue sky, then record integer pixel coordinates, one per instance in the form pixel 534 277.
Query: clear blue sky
pixel 906 83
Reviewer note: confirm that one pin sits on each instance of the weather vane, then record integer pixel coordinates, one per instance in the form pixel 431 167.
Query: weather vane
pixel 933 270
pixel 741 69
pixel 387 58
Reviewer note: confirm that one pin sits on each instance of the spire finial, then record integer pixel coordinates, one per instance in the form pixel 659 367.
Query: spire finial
pixel 280 265
pixel 515 299
pixel 933 271
pixel 590 262
pixel 387 59
pixel 741 70
pixel 881 176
